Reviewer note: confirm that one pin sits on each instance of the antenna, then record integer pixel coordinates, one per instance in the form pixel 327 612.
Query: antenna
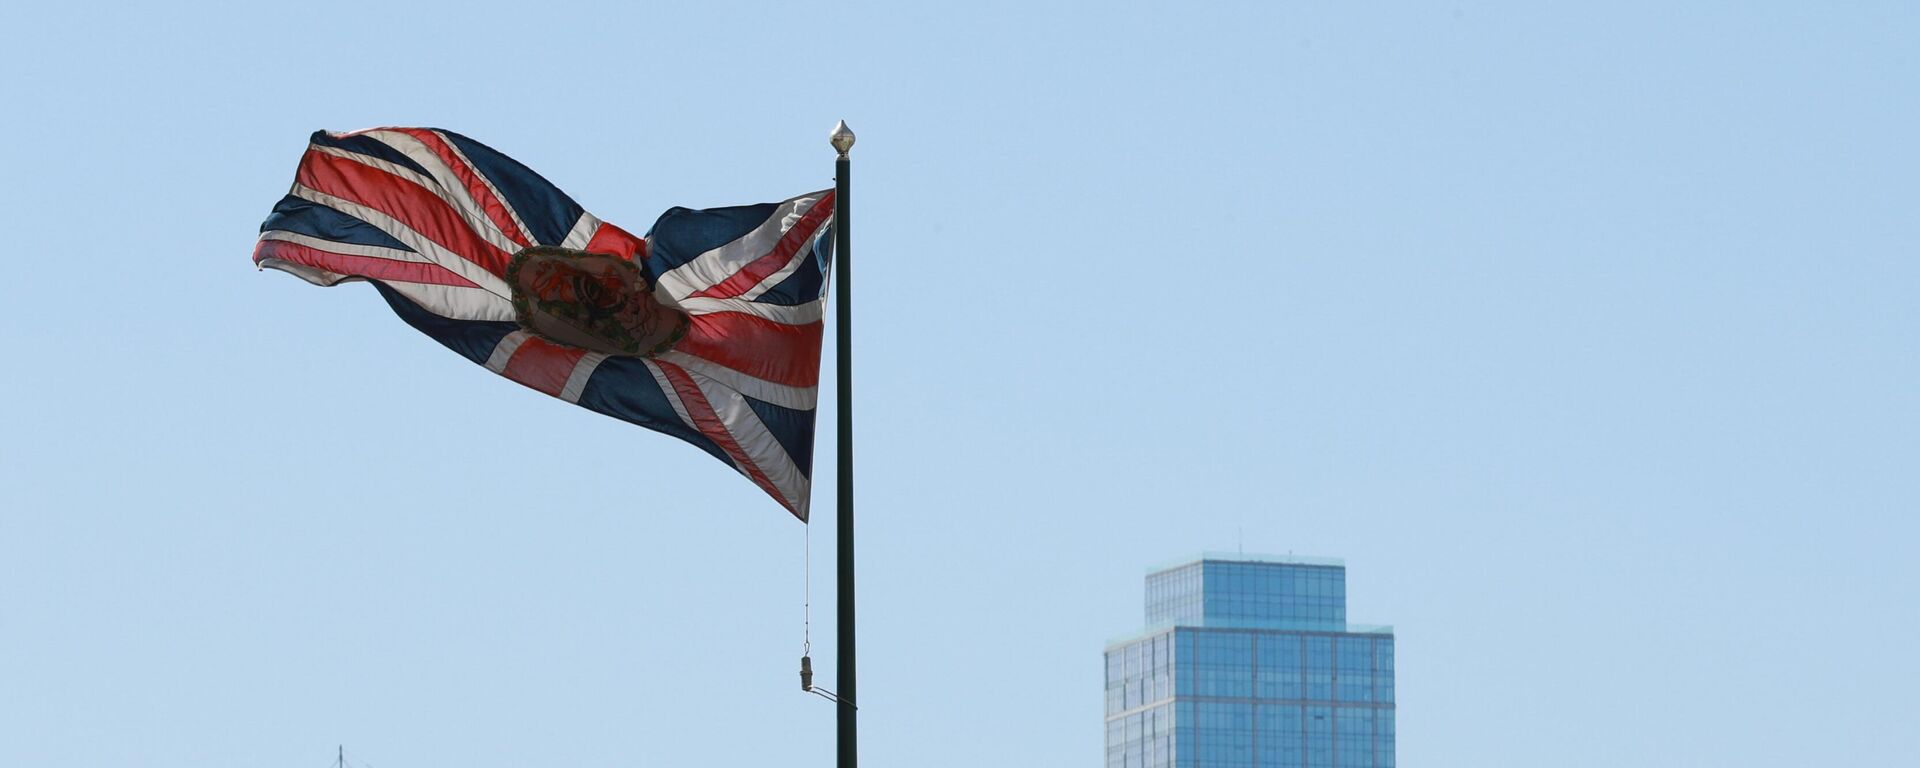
pixel 340 758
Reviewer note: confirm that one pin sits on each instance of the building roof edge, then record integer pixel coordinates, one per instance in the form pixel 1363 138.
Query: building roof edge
pixel 1243 557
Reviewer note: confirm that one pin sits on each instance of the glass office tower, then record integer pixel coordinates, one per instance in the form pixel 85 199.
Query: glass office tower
pixel 1248 662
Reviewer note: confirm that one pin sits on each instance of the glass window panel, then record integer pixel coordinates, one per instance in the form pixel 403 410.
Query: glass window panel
pixel 1354 668
pixel 1383 670
pixel 1353 738
pixel 1224 664
pixel 1225 735
pixel 1383 738
pixel 1319 668
pixel 1319 722
pixel 1281 735
pixel 1278 673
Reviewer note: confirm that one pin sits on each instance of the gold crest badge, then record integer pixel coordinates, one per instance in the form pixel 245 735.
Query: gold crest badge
pixel 593 301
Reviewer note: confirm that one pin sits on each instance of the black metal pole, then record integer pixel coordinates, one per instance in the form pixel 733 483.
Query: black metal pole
pixel 844 687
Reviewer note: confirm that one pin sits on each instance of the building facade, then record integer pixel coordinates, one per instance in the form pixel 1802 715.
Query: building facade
pixel 1249 662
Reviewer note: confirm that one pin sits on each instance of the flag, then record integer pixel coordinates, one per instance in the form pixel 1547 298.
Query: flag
pixel 707 329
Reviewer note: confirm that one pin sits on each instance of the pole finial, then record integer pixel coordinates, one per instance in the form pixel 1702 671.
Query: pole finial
pixel 841 138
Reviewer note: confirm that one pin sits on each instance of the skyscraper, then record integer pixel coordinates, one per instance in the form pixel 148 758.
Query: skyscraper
pixel 1249 662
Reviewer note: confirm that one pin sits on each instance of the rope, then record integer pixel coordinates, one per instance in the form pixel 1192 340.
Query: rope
pixel 806 590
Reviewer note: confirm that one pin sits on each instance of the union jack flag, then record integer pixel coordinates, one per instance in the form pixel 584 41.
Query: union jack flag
pixel 707 329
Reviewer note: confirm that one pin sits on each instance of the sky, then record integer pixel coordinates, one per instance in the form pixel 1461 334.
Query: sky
pixel 1585 335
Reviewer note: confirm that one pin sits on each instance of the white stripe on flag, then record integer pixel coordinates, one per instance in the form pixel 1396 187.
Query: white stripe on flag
pixel 582 372
pixel 582 232
pixel 710 268
pixel 504 203
pixel 798 314
pixel 783 395
pixel 351 249
pixel 425 246
pixel 313 275
pixel 802 256
pixel 673 397
pixel 445 184
pixel 455 302
pixel 754 439
pixel 503 352
pixel 455 197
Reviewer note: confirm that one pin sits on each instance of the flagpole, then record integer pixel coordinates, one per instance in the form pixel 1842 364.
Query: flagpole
pixel 847 739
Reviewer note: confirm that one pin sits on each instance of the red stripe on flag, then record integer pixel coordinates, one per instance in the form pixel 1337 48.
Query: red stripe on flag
pixel 710 425
pixel 490 204
pixel 359 266
pixel 543 365
pixel 414 206
pixel 758 270
pixel 613 240
pixel 761 348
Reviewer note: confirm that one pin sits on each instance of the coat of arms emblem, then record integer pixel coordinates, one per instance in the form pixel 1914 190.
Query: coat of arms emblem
pixel 593 301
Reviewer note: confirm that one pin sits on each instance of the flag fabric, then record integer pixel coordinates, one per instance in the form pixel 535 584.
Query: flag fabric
pixel 707 329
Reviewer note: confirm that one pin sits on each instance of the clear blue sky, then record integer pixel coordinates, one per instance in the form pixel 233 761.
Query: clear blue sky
pixel 1586 336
